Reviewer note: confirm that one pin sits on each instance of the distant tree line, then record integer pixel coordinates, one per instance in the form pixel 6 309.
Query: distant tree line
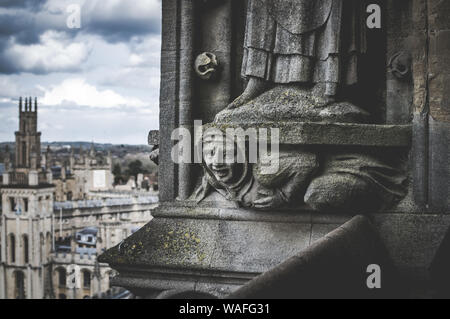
pixel 132 169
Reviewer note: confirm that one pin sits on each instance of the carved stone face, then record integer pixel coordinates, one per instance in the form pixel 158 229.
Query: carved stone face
pixel 225 170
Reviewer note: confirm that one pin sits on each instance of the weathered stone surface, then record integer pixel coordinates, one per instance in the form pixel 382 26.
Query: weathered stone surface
pixel 439 166
pixel 168 96
pixel 206 245
pixel 333 267
pixel 211 253
pixel 439 60
pixel 412 241
pixel 439 269
pixel 343 134
pixel 291 103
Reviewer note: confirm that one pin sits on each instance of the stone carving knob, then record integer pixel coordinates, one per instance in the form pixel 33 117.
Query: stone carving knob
pixel 400 64
pixel 206 65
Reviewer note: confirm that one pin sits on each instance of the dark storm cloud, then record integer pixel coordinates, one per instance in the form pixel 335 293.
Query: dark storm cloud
pixel 20 26
pixel 24 22
pixel 122 30
pixel 120 21
pixel 29 4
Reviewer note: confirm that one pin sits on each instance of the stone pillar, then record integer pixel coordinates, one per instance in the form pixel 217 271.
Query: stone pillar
pixel 5 179
pixel 29 287
pixel 187 32
pixel 33 179
pixel 168 96
pixel 439 104
pixel 49 177
pixel 431 75
pixel 2 281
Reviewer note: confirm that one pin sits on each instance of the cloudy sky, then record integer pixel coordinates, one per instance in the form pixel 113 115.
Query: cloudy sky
pixel 99 82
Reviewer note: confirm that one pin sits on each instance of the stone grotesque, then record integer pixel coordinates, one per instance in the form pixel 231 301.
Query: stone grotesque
pixel 340 181
pixel 248 184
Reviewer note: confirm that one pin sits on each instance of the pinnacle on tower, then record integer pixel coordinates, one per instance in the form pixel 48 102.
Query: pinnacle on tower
pixel 92 150
pixel 35 104
pixel 20 104
pixel 30 104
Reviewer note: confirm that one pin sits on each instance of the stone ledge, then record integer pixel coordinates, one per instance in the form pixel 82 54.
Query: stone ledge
pixel 327 134
pixel 191 210
pixel 339 134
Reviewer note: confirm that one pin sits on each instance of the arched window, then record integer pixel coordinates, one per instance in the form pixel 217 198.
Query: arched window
pixel 12 248
pixel 86 279
pixel 12 204
pixel 61 277
pixel 48 244
pixel 19 292
pixel 24 154
pixel 41 247
pixel 26 257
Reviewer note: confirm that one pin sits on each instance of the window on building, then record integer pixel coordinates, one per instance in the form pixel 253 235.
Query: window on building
pixel 26 257
pixel 86 279
pixel 24 154
pixel 12 248
pixel 62 277
pixel 20 285
pixel 41 247
pixel 69 196
pixel 25 204
pixel 12 204
pixel 48 244
pixel 62 296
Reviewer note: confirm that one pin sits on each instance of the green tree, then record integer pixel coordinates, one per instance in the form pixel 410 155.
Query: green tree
pixel 117 172
pixel 135 167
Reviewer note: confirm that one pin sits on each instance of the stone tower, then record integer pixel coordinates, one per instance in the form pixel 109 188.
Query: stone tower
pixel 26 215
pixel 28 139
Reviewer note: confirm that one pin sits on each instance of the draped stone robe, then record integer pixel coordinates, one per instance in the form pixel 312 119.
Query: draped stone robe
pixel 304 41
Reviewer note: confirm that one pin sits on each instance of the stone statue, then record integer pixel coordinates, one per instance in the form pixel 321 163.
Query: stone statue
pixel 311 43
